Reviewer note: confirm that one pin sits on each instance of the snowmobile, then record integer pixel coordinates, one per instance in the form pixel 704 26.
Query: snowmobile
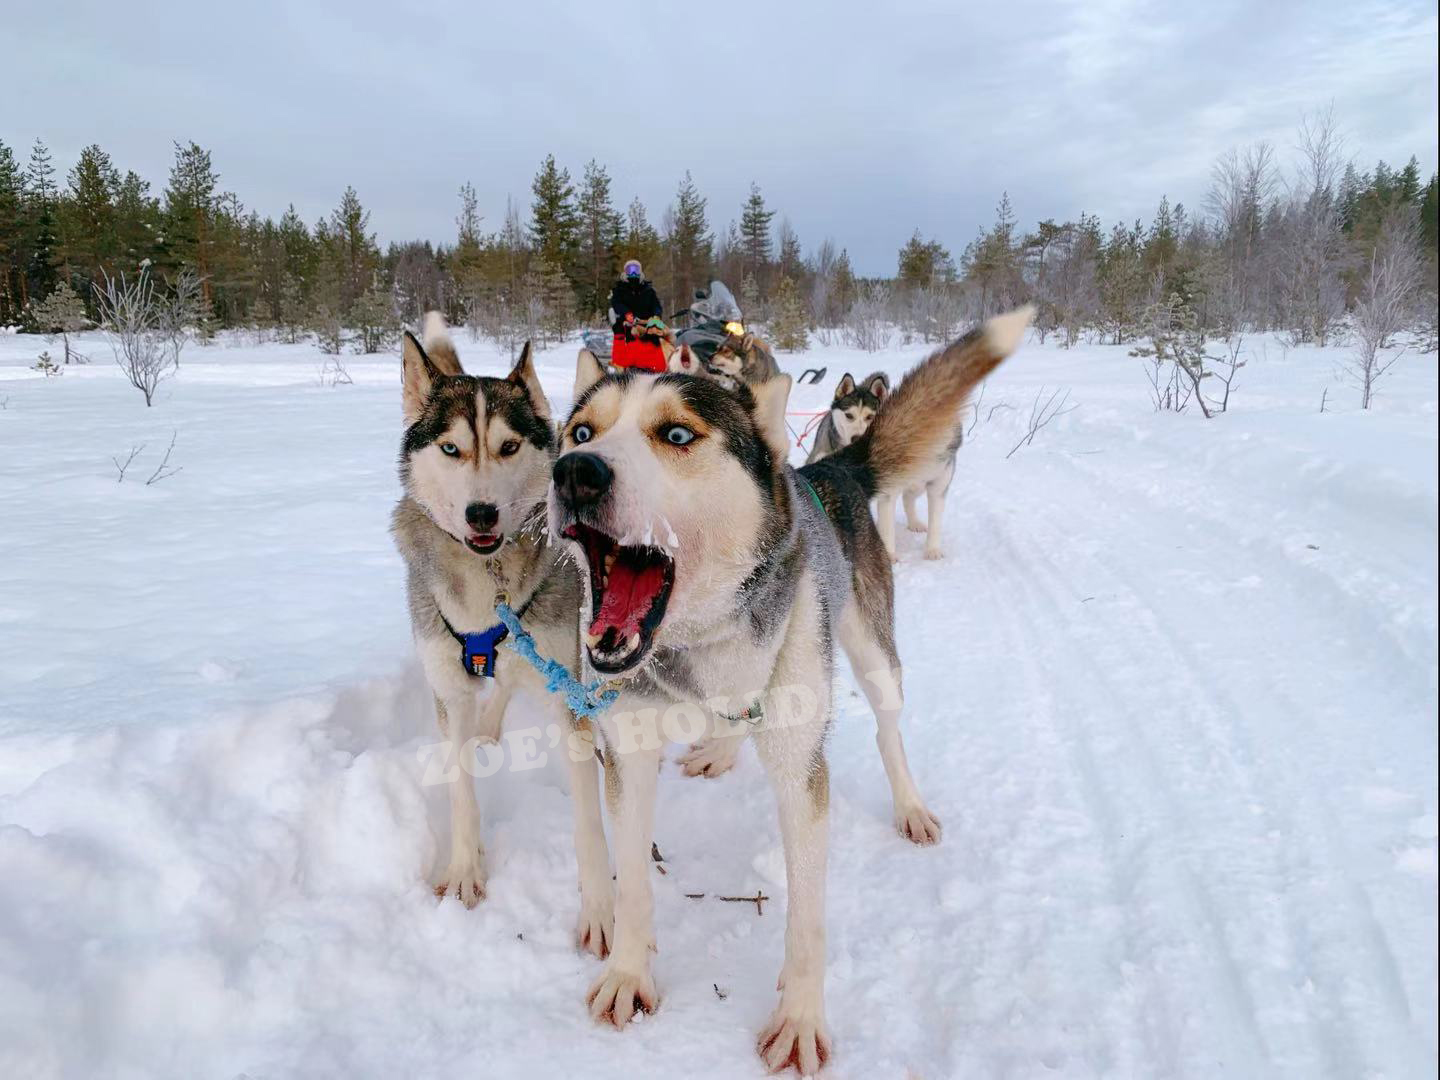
pixel 714 315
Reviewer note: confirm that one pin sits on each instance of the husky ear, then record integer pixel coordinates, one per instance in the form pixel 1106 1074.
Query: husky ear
pixel 879 386
pixel 417 377
pixel 588 371
pixel 682 361
pixel 770 399
pixel 523 374
pixel 847 386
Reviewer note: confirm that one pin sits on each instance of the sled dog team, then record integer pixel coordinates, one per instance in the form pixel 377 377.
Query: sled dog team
pixel 598 531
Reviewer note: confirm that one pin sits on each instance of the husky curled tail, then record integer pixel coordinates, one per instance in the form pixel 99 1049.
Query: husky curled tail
pixel 915 424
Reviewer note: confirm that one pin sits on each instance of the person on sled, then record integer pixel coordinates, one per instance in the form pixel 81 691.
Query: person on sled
pixel 636 310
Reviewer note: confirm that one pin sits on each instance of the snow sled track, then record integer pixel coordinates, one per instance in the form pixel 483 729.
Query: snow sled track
pixel 1247 934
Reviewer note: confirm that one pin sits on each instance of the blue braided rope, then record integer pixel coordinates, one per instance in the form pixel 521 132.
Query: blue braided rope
pixel 583 700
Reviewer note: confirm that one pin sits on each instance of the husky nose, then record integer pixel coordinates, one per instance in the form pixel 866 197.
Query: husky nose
pixel 482 517
pixel 581 479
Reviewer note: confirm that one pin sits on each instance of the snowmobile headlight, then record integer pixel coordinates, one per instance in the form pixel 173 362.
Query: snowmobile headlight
pixel 735 328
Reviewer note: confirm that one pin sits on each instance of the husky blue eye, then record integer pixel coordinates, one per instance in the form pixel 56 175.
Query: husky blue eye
pixel 582 433
pixel 678 435
pixel 449 449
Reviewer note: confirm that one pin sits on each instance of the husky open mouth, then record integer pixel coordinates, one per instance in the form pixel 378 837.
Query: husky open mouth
pixel 629 589
pixel 484 543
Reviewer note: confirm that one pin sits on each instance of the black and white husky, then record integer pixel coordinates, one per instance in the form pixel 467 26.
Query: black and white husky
pixel 851 411
pixel 719 581
pixel 475 464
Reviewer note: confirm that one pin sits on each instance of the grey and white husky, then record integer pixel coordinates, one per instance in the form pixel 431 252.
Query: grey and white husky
pixel 718 581
pixel 475 464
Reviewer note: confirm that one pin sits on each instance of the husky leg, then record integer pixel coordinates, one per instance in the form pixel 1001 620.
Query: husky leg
pixel 935 490
pixel 912 510
pixel 596 927
pixel 885 522
pixel 625 986
pixel 794 756
pixel 462 719
pixel 878 672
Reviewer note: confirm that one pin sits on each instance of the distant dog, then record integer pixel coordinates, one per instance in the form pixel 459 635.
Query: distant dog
pixel 475 466
pixel 719 580
pixel 849 417
pixel 851 411
pixel 739 359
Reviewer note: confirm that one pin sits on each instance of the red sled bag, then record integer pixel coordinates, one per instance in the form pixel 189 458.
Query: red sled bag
pixel 640 354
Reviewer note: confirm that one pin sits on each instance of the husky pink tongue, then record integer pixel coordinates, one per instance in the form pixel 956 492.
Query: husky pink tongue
pixel 629 595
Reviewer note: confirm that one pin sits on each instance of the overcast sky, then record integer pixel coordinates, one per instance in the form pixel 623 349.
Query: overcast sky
pixel 860 120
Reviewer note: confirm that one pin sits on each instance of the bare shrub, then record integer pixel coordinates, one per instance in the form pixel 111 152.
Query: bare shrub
pixel 1386 301
pixel 867 322
pixel 130 317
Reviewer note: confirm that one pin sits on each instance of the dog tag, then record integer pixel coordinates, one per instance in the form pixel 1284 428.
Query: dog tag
pixel 477 654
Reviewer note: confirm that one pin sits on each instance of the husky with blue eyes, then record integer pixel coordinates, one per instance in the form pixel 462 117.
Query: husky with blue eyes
pixel 718 581
pixel 475 464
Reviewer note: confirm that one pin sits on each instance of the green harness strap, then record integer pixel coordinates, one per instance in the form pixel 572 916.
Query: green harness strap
pixel 814 495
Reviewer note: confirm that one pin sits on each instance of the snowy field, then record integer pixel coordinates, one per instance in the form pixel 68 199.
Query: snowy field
pixel 1173 692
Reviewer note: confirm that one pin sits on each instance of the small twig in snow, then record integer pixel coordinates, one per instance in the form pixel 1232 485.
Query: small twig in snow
pixel 120 466
pixel 163 471
pixel 758 900
pixel 1057 404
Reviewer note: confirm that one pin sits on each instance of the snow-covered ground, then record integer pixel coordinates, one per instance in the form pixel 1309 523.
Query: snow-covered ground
pixel 1173 693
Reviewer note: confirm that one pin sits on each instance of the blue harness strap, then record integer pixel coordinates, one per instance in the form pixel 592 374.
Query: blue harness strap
pixel 583 700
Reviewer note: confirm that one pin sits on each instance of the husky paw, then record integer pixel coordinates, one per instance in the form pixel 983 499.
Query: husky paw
pixel 711 757
pixel 795 1037
pixel 465 879
pixel 595 929
pixel 917 526
pixel 618 995
pixel 917 824
pixel 934 553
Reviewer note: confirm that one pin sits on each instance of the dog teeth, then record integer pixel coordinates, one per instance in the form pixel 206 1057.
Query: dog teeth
pixel 632 643
pixel 609 562
pixel 592 640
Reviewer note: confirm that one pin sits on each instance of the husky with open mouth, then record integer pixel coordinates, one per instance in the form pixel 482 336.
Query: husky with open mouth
pixel 475 465
pixel 718 581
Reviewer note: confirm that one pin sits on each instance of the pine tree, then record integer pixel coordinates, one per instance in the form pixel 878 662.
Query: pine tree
pixel 789 326
pixel 924 264
pixel 599 233
pixel 137 224
pixel 373 317
pixel 642 242
pixel 750 303
pixel 354 254
pixel 842 288
pixel 688 243
pixel 88 218
pixel 755 242
pixel 554 218
pixel 61 314
pixel 40 210
pixel 791 259
pixel 190 201
pixel 12 237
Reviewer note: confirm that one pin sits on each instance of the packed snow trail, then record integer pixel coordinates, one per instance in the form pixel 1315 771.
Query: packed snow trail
pixel 1172 692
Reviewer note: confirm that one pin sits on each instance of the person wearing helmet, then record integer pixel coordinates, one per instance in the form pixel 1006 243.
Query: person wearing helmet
pixel 635 309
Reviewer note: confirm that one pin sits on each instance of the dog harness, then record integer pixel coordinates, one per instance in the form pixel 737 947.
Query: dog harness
pixel 479 654
pixel 479 651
